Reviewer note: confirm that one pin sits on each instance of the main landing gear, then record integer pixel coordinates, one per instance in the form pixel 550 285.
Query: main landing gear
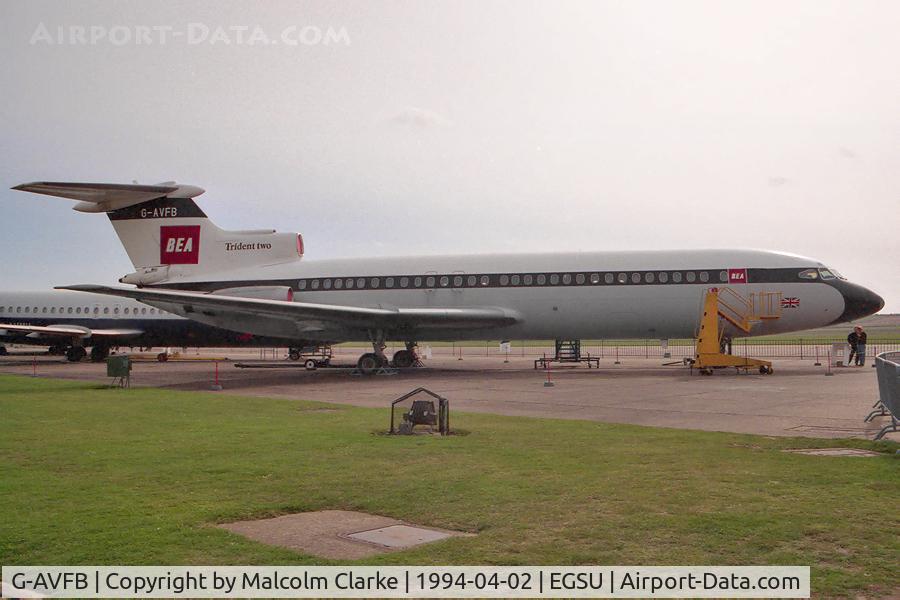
pixel 99 353
pixel 371 362
pixel 76 353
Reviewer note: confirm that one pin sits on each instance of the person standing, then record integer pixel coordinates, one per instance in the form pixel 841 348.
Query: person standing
pixel 857 341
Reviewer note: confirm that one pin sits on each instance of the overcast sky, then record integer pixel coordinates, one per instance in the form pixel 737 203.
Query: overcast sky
pixel 386 128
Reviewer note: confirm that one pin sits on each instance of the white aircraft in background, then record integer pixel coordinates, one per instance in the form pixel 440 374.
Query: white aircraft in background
pixel 258 282
pixel 69 322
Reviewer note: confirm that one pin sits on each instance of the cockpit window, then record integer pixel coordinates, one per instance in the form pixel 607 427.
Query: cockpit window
pixel 826 274
pixel 832 272
pixel 811 274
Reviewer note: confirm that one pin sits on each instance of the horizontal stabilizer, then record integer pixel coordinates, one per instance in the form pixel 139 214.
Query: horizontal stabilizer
pixel 106 197
pixel 70 331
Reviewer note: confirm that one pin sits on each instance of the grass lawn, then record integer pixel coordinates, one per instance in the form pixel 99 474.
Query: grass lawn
pixel 105 476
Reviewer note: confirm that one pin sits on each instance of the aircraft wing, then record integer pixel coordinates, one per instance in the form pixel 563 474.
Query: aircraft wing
pixel 69 331
pixel 236 312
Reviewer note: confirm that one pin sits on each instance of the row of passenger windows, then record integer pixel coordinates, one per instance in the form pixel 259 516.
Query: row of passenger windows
pixel 528 279
pixel 77 310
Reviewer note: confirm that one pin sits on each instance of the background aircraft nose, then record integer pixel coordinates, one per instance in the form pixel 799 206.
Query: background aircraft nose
pixel 859 301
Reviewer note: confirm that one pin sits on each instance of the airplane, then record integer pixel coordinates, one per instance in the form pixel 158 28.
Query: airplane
pixel 69 322
pixel 258 281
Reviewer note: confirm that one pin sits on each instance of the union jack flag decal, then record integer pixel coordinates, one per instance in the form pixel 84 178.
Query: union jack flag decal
pixel 792 302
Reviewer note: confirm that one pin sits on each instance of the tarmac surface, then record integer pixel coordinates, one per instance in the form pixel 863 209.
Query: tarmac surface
pixel 799 399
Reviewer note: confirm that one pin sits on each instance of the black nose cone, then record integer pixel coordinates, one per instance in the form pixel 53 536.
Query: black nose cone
pixel 859 302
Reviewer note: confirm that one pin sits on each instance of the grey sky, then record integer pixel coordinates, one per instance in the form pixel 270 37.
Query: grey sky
pixel 466 127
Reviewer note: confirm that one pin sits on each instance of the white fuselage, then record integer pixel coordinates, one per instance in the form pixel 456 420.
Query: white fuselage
pixel 653 294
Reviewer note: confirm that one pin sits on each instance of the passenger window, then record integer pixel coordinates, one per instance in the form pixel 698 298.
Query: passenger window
pixel 622 278
pixel 445 281
pixel 77 310
pixel 360 283
pixel 338 284
pixel 28 309
pixel 106 310
pixel 52 310
pixel 635 278
pixel 457 281
pixel 663 277
pixel 314 285
pixel 143 311
pixel 648 277
pixel 690 277
pixel 704 276
pixel 127 310
pixel 554 279
pixel 404 282
pixel 326 284
pixel 429 281
pixel 116 310
pixel 504 280
pixel 579 279
pixel 417 282
pixel 301 285
pixel 608 278
pixel 567 278
pixel 527 279
pixel 595 278
pixel 471 281
pixel 69 310
pixel 389 282
pixel 515 280
pixel 541 279
pixel 44 310
pixel 374 282
pixel 723 276
pixel 485 280
pixel 676 276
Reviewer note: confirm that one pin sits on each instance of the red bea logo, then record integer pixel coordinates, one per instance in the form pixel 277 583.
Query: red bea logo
pixel 179 244
pixel 737 275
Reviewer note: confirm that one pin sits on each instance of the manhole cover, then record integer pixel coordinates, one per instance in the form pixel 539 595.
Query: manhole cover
pixel 399 536
pixel 833 452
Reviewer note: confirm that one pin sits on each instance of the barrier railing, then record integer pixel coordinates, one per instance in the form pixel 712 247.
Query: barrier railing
pixel 813 349
pixel 887 366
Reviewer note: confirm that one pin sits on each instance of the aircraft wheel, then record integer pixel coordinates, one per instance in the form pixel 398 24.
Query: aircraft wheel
pixel 162 357
pixel 99 353
pixel 310 364
pixel 403 359
pixel 368 363
pixel 765 370
pixel 294 354
pixel 75 353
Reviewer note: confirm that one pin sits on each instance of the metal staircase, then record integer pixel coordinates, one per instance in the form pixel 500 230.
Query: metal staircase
pixel 743 313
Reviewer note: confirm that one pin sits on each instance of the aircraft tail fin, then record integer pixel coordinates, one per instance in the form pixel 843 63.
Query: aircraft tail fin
pixel 165 233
